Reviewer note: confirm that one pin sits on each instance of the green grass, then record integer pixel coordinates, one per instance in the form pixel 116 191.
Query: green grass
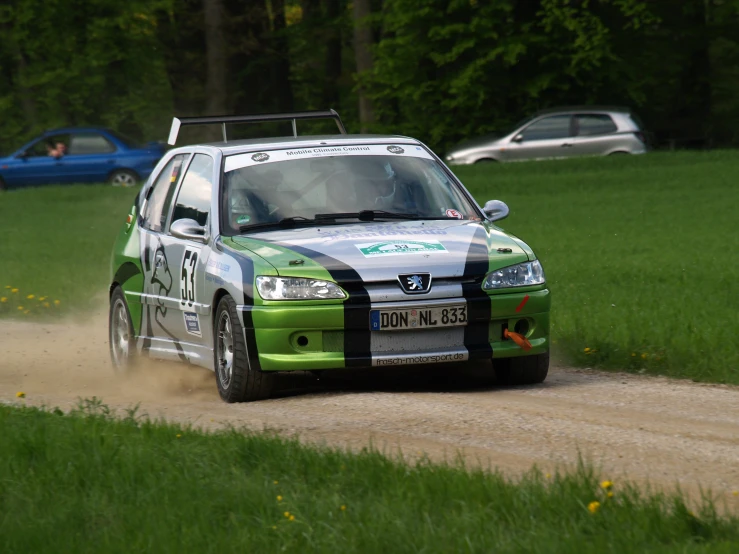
pixel 56 243
pixel 88 483
pixel 640 253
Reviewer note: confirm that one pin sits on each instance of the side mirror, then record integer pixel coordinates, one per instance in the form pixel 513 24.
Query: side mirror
pixel 189 229
pixel 495 210
pixel 517 138
pixel 22 155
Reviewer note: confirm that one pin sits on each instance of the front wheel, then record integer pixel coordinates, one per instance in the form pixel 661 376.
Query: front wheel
pixel 121 337
pixel 236 380
pixel 524 370
pixel 123 178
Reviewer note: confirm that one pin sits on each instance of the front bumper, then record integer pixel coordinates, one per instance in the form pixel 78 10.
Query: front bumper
pixel 299 338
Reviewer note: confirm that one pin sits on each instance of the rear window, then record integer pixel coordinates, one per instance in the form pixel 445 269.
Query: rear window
pixel 594 124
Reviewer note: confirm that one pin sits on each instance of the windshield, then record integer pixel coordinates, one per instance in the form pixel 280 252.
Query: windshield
pixel 270 186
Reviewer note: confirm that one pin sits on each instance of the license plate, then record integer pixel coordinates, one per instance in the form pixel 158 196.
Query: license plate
pixel 418 318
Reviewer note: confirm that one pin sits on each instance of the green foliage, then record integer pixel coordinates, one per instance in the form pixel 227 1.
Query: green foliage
pixel 81 62
pixel 86 482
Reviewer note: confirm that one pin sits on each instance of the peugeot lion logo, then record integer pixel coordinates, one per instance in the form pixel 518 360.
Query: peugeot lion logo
pixel 415 283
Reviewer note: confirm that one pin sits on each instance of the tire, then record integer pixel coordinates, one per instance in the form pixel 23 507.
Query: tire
pixel 524 370
pixel 121 338
pixel 123 178
pixel 619 153
pixel 486 161
pixel 236 380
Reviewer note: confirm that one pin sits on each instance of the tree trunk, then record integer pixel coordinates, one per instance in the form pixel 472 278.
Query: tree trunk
pixel 283 88
pixel 363 57
pixel 215 57
pixel 332 72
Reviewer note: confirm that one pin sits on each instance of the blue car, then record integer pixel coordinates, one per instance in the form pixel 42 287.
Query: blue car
pixel 79 155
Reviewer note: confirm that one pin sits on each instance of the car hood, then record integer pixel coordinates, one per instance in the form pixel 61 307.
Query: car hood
pixel 379 251
pixel 476 143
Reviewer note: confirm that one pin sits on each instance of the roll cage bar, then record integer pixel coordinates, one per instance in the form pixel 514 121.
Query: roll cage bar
pixel 178 122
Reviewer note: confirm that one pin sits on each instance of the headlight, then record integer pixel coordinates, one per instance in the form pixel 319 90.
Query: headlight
pixel 296 288
pixel 519 275
pixel 449 158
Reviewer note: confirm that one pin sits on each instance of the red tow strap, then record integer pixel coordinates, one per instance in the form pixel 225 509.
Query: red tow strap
pixel 519 339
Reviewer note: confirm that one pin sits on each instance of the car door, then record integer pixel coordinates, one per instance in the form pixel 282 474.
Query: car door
pixel 594 134
pixel 90 158
pixel 159 271
pixel 189 316
pixel 35 166
pixel 548 137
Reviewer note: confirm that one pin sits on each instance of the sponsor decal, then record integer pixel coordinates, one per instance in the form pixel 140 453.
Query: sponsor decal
pixel 385 230
pixel 214 279
pixel 243 219
pixel 400 248
pixel 219 266
pixel 239 161
pixel 330 150
pixel 192 323
pixel 451 212
pixel 423 359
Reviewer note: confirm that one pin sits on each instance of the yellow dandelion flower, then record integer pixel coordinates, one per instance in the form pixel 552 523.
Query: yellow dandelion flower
pixel 20 307
pixel 179 436
pixel 4 299
pixel 13 290
pixel 26 312
pixel 292 518
pixel 735 493
pixel 8 287
pixel 594 506
pixel 610 494
pixel 46 305
pixel 343 507
pixel 286 514
pixel 279 498
pixel 274 527
pixel 41 298
pixel 606 484
pixel 644 356
pixel 548 476
pixel 56 302
pixel 30 296
pixel 275 482
pixel 20 394
pixel 587 349
pixel 633 354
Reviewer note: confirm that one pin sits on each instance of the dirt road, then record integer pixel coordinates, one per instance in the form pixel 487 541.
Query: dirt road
pixel 640 428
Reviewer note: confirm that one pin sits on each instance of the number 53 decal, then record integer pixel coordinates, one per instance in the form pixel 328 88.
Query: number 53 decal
pixel 189 263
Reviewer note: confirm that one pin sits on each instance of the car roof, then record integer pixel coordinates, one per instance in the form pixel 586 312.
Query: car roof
pixel 305 141
pixel 586 109
pixel 64 130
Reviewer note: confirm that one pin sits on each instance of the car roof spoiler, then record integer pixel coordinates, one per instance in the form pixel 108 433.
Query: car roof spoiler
pixel 178 122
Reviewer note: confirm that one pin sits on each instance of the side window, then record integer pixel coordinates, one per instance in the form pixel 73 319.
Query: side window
pixel 553 127
pixel 49 146
pixel 160 198
pixel 89 143
pixel 193 200
pixel 595 124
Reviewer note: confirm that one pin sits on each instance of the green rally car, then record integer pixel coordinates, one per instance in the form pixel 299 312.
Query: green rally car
pixel 311 253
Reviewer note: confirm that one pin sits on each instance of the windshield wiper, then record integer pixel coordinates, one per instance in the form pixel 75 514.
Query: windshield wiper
pixel 284 223
pixel 371 215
